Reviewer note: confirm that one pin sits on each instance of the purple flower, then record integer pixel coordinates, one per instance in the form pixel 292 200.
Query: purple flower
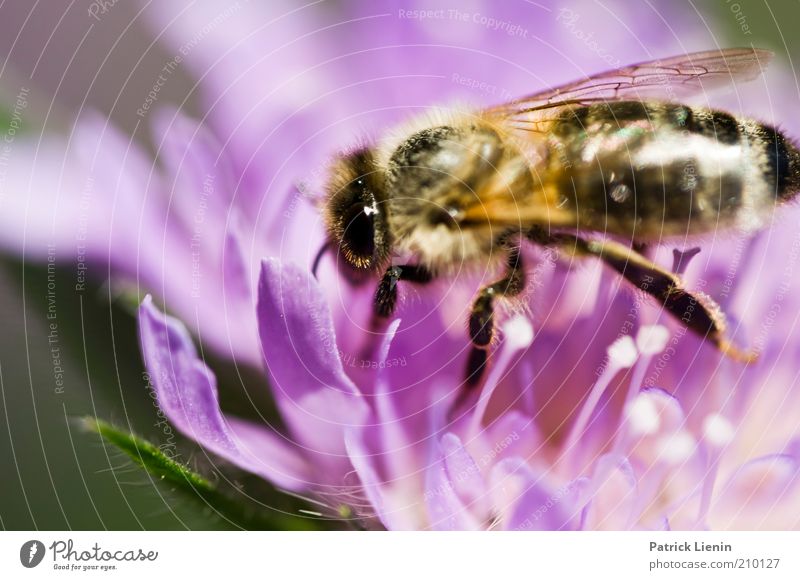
pixel 598 412
pixel 641 458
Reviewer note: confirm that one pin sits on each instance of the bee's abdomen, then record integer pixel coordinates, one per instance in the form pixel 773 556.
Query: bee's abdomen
pixel 647 170
pixel 765 150
pixel 781 159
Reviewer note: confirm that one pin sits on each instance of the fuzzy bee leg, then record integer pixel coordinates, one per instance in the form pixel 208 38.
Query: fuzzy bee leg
pixel 386 294
pixel 699 312
pixel 385 299
pixel 481 319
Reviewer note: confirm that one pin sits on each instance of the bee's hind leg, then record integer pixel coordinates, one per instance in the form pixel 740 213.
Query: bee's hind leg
pixel 481 319
pixel 696 310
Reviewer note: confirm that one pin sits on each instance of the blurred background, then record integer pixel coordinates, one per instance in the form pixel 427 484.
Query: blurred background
pixel 68 56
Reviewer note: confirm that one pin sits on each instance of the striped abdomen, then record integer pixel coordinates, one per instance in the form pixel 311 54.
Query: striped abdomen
pixel 647 169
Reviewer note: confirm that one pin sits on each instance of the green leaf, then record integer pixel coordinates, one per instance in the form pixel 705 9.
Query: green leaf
pixel 193 485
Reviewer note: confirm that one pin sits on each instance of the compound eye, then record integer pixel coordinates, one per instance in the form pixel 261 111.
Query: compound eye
pixel 359 234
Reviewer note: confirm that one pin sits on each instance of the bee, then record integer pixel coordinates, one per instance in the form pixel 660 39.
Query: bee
pixel 599 168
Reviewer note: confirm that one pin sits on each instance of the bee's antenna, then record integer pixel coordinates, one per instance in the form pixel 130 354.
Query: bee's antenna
pixel 325 247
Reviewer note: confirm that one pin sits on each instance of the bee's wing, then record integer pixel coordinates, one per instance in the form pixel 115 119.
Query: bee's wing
pixel 669 79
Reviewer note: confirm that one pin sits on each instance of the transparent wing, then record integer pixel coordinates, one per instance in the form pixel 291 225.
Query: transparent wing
pixel 670 79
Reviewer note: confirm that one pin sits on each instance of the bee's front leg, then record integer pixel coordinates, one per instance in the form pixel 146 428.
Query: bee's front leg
pixel 385 299
pixel 481 319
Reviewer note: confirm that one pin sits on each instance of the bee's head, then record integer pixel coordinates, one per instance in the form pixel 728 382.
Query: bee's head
pixel 355 211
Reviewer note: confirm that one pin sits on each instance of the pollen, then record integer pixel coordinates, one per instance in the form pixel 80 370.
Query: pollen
pixel 519 332
pixel 652 339
pixel 677 448
pixel 622 352
pixel 718 430
pixel 642 416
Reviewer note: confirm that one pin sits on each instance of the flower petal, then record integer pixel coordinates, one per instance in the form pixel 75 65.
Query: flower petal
pixel 446 510
pixel 762 494
pixel 187 394
pixel 612 494
pixel 530 503
pixel 389 506
pixel 465 475
pixel 315 396
pixel 198 177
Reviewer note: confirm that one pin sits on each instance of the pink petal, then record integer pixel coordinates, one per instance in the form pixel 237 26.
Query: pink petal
pixel 530 502
pixel 187 394
pixel 315 396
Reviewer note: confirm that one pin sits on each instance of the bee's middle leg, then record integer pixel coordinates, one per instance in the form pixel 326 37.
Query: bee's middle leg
pixel 481 319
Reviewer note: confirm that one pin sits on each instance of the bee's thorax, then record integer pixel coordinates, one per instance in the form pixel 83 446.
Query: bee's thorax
pixel 436 175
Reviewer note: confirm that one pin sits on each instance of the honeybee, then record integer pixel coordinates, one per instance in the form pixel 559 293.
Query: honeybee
pixel 597 168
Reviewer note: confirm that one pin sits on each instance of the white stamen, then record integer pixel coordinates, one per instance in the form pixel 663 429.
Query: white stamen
pixel 642 416
pixel 518 334
pixel 622 352
pixel 652 339
pixel 518 331
pixel 581 424
pixel 677 448
pixel 717 430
